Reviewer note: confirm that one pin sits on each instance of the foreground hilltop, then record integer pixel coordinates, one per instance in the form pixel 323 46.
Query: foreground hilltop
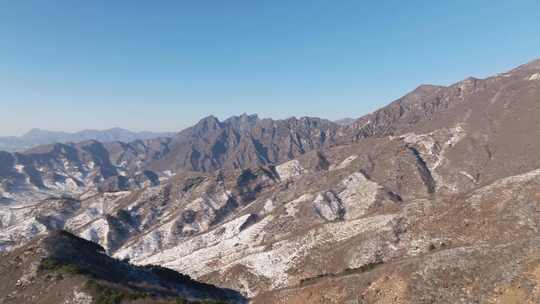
pixel 62 268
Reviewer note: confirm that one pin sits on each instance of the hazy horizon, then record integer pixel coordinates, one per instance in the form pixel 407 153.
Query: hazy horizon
pixel 161 67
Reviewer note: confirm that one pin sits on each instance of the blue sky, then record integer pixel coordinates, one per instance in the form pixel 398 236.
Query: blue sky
pixel 162 65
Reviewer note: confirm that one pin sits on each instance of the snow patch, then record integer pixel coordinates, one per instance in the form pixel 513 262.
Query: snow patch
pixel 192 254
pixel 98 232
pixel 467 175
pixel 169 173
pixel 433 150
pixel 291 208
pixel 276 263
pixel 290 169
pixel 24 230
pixel 359 194
pixel 79 297
pixel 344 164
pixel 269 206
pixel 328 206
pixel 19 168
pixel 535 76
pixel 227 247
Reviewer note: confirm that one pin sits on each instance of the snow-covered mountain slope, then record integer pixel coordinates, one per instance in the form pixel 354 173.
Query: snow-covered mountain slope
pixel 69 169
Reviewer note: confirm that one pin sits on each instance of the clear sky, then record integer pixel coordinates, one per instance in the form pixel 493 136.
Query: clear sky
pixel 162 65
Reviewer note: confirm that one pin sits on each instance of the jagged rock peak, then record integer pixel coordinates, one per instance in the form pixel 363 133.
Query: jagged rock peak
pixel 244 117
pixel 243 122
pixel 209 121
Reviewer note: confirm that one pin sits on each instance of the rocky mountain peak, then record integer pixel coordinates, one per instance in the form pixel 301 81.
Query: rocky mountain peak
pixel 207 124
pixel 243 122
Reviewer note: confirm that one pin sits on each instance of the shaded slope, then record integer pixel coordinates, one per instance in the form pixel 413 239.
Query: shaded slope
pixel 62 268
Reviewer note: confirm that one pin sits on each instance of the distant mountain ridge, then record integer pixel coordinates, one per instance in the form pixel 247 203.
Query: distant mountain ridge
pixel 36 137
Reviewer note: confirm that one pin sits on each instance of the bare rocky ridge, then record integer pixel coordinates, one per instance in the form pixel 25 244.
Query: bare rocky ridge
pixel 246 141
pixel 432 199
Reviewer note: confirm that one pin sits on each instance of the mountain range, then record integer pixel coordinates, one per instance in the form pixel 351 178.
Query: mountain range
pixel 431 199
pixel 36 137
